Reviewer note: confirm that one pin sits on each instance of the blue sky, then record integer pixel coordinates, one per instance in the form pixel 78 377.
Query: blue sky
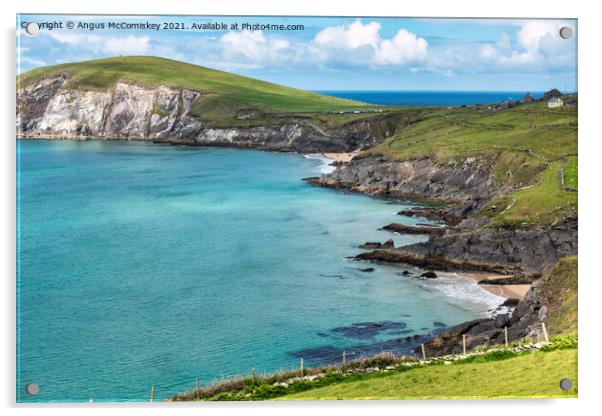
pixel 332 53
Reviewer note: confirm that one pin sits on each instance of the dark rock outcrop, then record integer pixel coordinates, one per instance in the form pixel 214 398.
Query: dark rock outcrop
pixel 413 229
pixel 438 214
pixel 468 185
pixel 371 245
pixel 513 251
pixel 521 279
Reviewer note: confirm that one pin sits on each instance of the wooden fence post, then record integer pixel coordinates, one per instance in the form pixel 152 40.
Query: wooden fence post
pixel 344 359
pixel 464 344
pixel 545 331
pixel 302 367
pixel 196 385
pixel 423 352
pixel 254 374
pixel 506 336
pixel 152 399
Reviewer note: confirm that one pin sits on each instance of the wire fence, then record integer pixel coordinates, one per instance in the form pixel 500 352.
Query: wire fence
pixel 443 346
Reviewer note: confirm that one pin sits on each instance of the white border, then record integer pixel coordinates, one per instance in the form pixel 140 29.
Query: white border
pixel 590 144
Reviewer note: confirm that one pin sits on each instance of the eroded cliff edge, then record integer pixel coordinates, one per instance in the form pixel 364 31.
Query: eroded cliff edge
pixel 461 195
pixel 49 108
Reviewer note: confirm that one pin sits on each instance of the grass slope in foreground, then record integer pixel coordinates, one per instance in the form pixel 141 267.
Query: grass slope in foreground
pixel 532 375
pixel 222 89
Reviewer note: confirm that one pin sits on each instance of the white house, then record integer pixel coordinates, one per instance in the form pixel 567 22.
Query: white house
pixel 555 102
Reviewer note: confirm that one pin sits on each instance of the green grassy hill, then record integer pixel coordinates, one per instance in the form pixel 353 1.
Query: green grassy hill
pixel 530 375
pixel 519 371
pixel 558 291
pixel 529 147
pixel 225 90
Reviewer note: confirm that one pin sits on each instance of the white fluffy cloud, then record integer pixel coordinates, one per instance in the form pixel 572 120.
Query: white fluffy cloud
pixel 358 43
pixel 349 36
pixel 115 45
pixel 254 47
pixel 538 44
pixel 127 45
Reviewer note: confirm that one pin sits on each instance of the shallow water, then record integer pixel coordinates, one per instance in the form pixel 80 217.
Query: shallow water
pixel 142 264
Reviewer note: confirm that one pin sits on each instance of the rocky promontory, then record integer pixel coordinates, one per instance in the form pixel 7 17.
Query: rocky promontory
pixel 471 241
pixel 50 108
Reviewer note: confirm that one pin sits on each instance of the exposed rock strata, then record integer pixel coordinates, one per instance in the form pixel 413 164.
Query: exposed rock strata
pixel 493 250
pixel 50 109
pixel 416 179
pixel 414 229
pixel 469 242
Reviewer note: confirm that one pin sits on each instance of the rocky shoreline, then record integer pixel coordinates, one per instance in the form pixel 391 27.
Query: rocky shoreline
pixel 467 243
pixel 454 192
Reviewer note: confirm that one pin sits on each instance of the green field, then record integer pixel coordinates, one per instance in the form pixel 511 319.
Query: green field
pixel 543 203
pixel 570 173
pixel 527 147
pixel 223 88
pixel 530 375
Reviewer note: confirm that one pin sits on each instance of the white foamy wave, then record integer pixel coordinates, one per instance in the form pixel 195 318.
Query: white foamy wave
pixel 464 292
pixel 325 165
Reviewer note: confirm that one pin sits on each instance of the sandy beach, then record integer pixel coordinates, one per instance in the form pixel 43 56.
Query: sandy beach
pixel 506 291
pixel 341 157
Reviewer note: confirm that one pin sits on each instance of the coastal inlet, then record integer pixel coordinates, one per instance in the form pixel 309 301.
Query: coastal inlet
pixel 146 264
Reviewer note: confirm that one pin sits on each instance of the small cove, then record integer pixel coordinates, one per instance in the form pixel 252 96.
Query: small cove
pixel 143 264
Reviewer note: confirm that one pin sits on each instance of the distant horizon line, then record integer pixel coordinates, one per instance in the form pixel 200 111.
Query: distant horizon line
pixel 469 91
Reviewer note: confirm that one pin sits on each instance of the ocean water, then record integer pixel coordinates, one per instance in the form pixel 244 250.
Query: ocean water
pixel 142 264
pixel 432 98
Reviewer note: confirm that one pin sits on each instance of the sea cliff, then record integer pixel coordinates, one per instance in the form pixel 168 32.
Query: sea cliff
pixel 49 108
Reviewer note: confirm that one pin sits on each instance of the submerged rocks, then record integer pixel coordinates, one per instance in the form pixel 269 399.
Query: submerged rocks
pixel 429 275
pixel 368 330
pixel 367 270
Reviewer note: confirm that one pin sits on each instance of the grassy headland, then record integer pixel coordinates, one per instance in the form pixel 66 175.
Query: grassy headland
pixel 223 89
pixel 527 147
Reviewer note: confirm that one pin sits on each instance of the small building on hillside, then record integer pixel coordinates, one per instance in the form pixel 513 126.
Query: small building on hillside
pixel 555 102
pixel 528 98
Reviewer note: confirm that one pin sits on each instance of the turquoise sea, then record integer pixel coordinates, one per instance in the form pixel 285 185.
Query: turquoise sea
pixel 142 264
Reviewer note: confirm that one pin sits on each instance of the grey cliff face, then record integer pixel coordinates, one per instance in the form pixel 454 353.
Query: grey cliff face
pixel 419 179
pixel 470 243
pixel 48 109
